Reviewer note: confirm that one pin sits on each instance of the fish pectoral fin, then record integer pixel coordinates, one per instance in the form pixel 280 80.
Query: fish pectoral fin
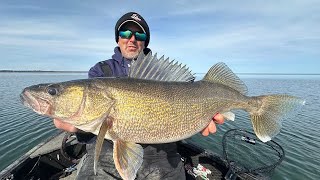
pixel 105 126
pixel 128 158
pixel 228 115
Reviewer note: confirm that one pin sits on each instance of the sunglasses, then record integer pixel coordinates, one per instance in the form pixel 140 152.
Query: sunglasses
pixel 127 34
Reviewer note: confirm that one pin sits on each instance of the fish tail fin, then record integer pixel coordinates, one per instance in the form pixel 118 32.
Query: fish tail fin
pixel 267 118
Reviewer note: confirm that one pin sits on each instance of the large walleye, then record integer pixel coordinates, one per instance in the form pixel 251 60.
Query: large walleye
pixel 157 103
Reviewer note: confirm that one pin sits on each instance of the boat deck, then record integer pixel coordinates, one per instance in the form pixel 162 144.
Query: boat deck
pixel 46 161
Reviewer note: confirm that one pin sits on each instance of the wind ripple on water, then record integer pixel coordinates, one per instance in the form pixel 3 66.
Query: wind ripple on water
pixel 21 130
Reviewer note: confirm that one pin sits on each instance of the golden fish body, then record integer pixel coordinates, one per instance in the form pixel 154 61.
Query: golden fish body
pixel 159 112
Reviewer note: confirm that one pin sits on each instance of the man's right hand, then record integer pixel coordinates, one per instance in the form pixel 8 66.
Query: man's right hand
pixel 64 126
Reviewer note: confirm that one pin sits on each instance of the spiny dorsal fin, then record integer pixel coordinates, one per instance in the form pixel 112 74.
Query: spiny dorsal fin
pixel 220 73
pixel 151 68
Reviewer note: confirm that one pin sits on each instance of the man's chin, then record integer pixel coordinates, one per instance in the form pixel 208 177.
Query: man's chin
pixel 131 55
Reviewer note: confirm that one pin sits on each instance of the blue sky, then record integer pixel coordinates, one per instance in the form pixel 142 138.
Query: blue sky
pixel 249 36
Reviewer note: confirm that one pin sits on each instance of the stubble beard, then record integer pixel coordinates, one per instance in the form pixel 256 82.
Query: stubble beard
pixel 131 55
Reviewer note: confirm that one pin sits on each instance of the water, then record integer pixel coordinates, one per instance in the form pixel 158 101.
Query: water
pixel 21 129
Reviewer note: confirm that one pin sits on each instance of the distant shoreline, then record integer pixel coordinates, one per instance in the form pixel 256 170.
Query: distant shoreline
pixel 39 71
pixel 272 74
pixel 276 74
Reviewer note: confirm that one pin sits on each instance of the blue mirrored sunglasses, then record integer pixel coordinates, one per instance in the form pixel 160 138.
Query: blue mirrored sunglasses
pixel 127 34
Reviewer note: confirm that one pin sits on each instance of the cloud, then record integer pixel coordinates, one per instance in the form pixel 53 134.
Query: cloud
pixel 241 33
pixel 37 45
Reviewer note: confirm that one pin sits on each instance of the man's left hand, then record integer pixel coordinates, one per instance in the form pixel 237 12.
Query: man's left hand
pixel 211 128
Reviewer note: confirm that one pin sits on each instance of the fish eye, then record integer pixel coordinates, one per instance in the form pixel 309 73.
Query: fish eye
pixel 52 91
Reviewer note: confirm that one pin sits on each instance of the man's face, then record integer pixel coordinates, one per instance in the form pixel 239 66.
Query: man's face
pixel 130 48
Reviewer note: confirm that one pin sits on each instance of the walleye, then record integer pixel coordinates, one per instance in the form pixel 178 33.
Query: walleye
pixel 157 103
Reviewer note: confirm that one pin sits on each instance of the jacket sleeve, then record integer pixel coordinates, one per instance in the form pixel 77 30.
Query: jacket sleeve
pixel 84 137
pixel 95 71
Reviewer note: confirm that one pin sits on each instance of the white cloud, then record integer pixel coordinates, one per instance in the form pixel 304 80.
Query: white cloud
pixel 191 31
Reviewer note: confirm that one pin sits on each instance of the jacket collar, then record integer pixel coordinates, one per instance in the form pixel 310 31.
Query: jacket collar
pixel 117 55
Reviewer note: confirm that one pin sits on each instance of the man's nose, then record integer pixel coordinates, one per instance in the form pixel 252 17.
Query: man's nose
pixel 133 38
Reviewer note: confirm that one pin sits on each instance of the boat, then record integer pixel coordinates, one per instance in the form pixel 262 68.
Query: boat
pixel 58 156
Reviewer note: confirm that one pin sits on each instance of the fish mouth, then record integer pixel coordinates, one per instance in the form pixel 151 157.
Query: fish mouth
pixel 33 103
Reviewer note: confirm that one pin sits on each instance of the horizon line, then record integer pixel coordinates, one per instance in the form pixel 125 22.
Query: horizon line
pixel 63 71
pixel 40 71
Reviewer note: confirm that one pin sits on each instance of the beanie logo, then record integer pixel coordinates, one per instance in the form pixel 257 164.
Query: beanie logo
pixel 135 17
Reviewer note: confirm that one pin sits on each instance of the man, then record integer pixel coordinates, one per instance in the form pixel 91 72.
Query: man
pixel 160 161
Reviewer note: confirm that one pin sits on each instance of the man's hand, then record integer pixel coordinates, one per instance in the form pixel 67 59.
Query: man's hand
pixel 64 126
pixel 211 128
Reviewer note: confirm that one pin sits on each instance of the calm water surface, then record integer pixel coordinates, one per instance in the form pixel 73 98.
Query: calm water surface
pixel 21 129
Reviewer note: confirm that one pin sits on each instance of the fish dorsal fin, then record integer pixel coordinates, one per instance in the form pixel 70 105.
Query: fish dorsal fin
pixel 222 74
pixel 151 68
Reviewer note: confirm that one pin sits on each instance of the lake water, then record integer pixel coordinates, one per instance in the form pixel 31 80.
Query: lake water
pixel 21 129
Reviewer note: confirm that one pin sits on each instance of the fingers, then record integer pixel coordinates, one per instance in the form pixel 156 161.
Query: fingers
pixel 205 132
pixel 64 126
pixel 212 127
pixel 218 118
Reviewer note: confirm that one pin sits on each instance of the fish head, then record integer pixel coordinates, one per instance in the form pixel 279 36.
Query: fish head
pixel 58 100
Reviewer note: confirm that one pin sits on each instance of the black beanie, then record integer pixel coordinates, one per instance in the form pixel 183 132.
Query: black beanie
pixel 136 18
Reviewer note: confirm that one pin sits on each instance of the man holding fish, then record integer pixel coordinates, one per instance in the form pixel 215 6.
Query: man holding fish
pixel 160 161
pixel 152 104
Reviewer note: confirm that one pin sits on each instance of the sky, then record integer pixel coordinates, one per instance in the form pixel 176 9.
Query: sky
pixel 249 36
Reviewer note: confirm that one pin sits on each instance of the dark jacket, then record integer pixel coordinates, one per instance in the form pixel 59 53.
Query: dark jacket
pixel 118 65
